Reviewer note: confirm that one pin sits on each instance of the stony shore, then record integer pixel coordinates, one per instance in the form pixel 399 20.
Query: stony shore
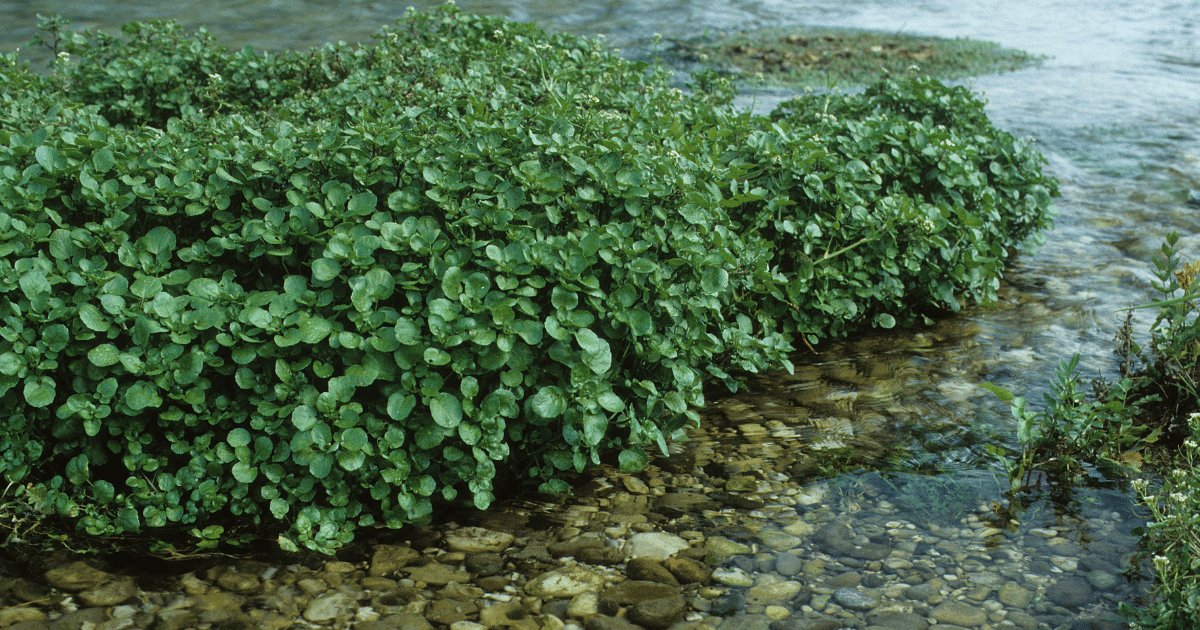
pixel 671 547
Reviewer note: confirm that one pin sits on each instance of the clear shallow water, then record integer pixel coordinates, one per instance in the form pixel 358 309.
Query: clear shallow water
pixel 1115 110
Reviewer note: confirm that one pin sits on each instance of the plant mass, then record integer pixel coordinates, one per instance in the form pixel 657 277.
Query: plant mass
pixel 315 291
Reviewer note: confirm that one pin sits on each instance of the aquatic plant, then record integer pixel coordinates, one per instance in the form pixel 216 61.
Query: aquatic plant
pixel 325 290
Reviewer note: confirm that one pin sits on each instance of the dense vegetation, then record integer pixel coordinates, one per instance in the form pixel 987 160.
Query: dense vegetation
pixel 316 290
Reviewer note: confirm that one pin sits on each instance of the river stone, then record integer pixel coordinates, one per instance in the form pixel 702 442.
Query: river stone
pixel 779 593
pixel 484 564
pixel 788 565
pixel 448 611
pixel 564 582
pixel 327 607
pixel 1022 619
pixel 437 574
pixel 401 621
pixel 856 599
pixel 808 621
pixel 688 571
pixel 657 613
pixel 1101 580
pixel 604 622
pixel 835 535
pixel 478 540
pixel 387 559
pixel 657 545
pixel 957 613
pixel 720 549
pixel 572 547
pixel 1069 592
pixel 110 593
pixel 733 577
pixel 507 615
pixel 238 582
pixel 746 621
pixel 649 570
pixel 897 620
pixel 20 614
pixel 631 592
pixel 603 556
pixel 74 577
pixel 1014 596
pixel 778 541
pixel 870 551
pixel 584 605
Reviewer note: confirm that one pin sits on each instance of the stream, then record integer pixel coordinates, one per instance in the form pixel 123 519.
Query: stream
pixel 1115 109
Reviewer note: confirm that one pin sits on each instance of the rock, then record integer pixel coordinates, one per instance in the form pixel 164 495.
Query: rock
pixel 572 547
pixel 75 577
pixel 927 593
pixel 768 594
pixel 649 570
pixel 808 621
pixel 448 611
pixel 676 504
pixel 898 620
pixel 835 536
pixel 564 582
pixel 1014 596
pixel 788 565
pixel 484 564
pixel 733 577
pixel 239 582
pixel 508 615
pixel 730 603
pixel 688 571
pixel 19 614
pixel 720 549
pixel 478 540
pixel 957 613
pixel 631 592
pixel 1101 580
pixel 438 574
pixel 778 541
pixel 377 584
pixel 604 556
pixel 658 545
pixel 175 619
pixel 635 485
pixel 327 607
pixel 1069 592
pixel 870 551
pixel 856 599
pixel 217 606
pixel 746 621
pixel 741 483
pixel 1022 619
pixel 658 613
pixel 110 593
pixel 603 622
pixel 387 559
pixel 402 621
pixel 584 605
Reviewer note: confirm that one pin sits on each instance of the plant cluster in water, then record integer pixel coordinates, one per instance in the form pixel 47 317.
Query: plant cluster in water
pixel 816 57
pixel 317 291
pixel 1150 416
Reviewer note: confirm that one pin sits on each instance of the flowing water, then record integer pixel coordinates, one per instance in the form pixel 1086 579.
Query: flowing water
pixel 1115 110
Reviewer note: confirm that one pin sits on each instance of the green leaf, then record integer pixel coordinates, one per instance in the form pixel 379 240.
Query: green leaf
pixel 633 459
pixel 436 356
pixel 714 281
pixel 238 437
pixel 93 318
pixel 104 355
pixel 103 159
pixel 47 157
pixel 446 410
pixel 325 269
pixel 11 363
pixel 549 402
pixel 244 473
pixel 304 417
pixel 146 287
pixel 280 508
pixel 142 394
pixel 1003 394
pixel 596 352
pixel 400 404
pixel 354 439
pixel 320 465
pixel 883 320
pixel 452 283
pixel 362 204
pixel 34 283
pixel 56 337
pixel 594 427
pixel 314 329
pixel 77 470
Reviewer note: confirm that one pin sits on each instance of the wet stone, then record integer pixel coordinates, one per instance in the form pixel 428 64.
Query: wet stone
pixel 658 613
pixel 1102 580
pixel 238 582
pixel 484 564
pixel 110 593
pixel 779 593
pixel 327 607
pixel 77 576
pixel 1014 596
pixel 20 614
pixel 856 599
pixel 870 551
pixel 788 565
pixel 808 621
pixel 658 545
pixel 721 549
pixel 835 536
pixel 387 559
pixel 478 540
pixel 898 620
pixel 957 613
pixel 778 541
pixel 604 556
pixel 1069 592
pixel 572 547
pixel 688 571
pixel 604 622
pixel 564 582
pixel 649 570
pixel 437 574
pixel 448 611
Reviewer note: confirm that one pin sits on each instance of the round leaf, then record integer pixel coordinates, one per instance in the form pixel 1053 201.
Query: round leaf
pixel 446 410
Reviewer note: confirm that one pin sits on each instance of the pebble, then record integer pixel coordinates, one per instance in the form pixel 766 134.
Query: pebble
pixel 658 545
